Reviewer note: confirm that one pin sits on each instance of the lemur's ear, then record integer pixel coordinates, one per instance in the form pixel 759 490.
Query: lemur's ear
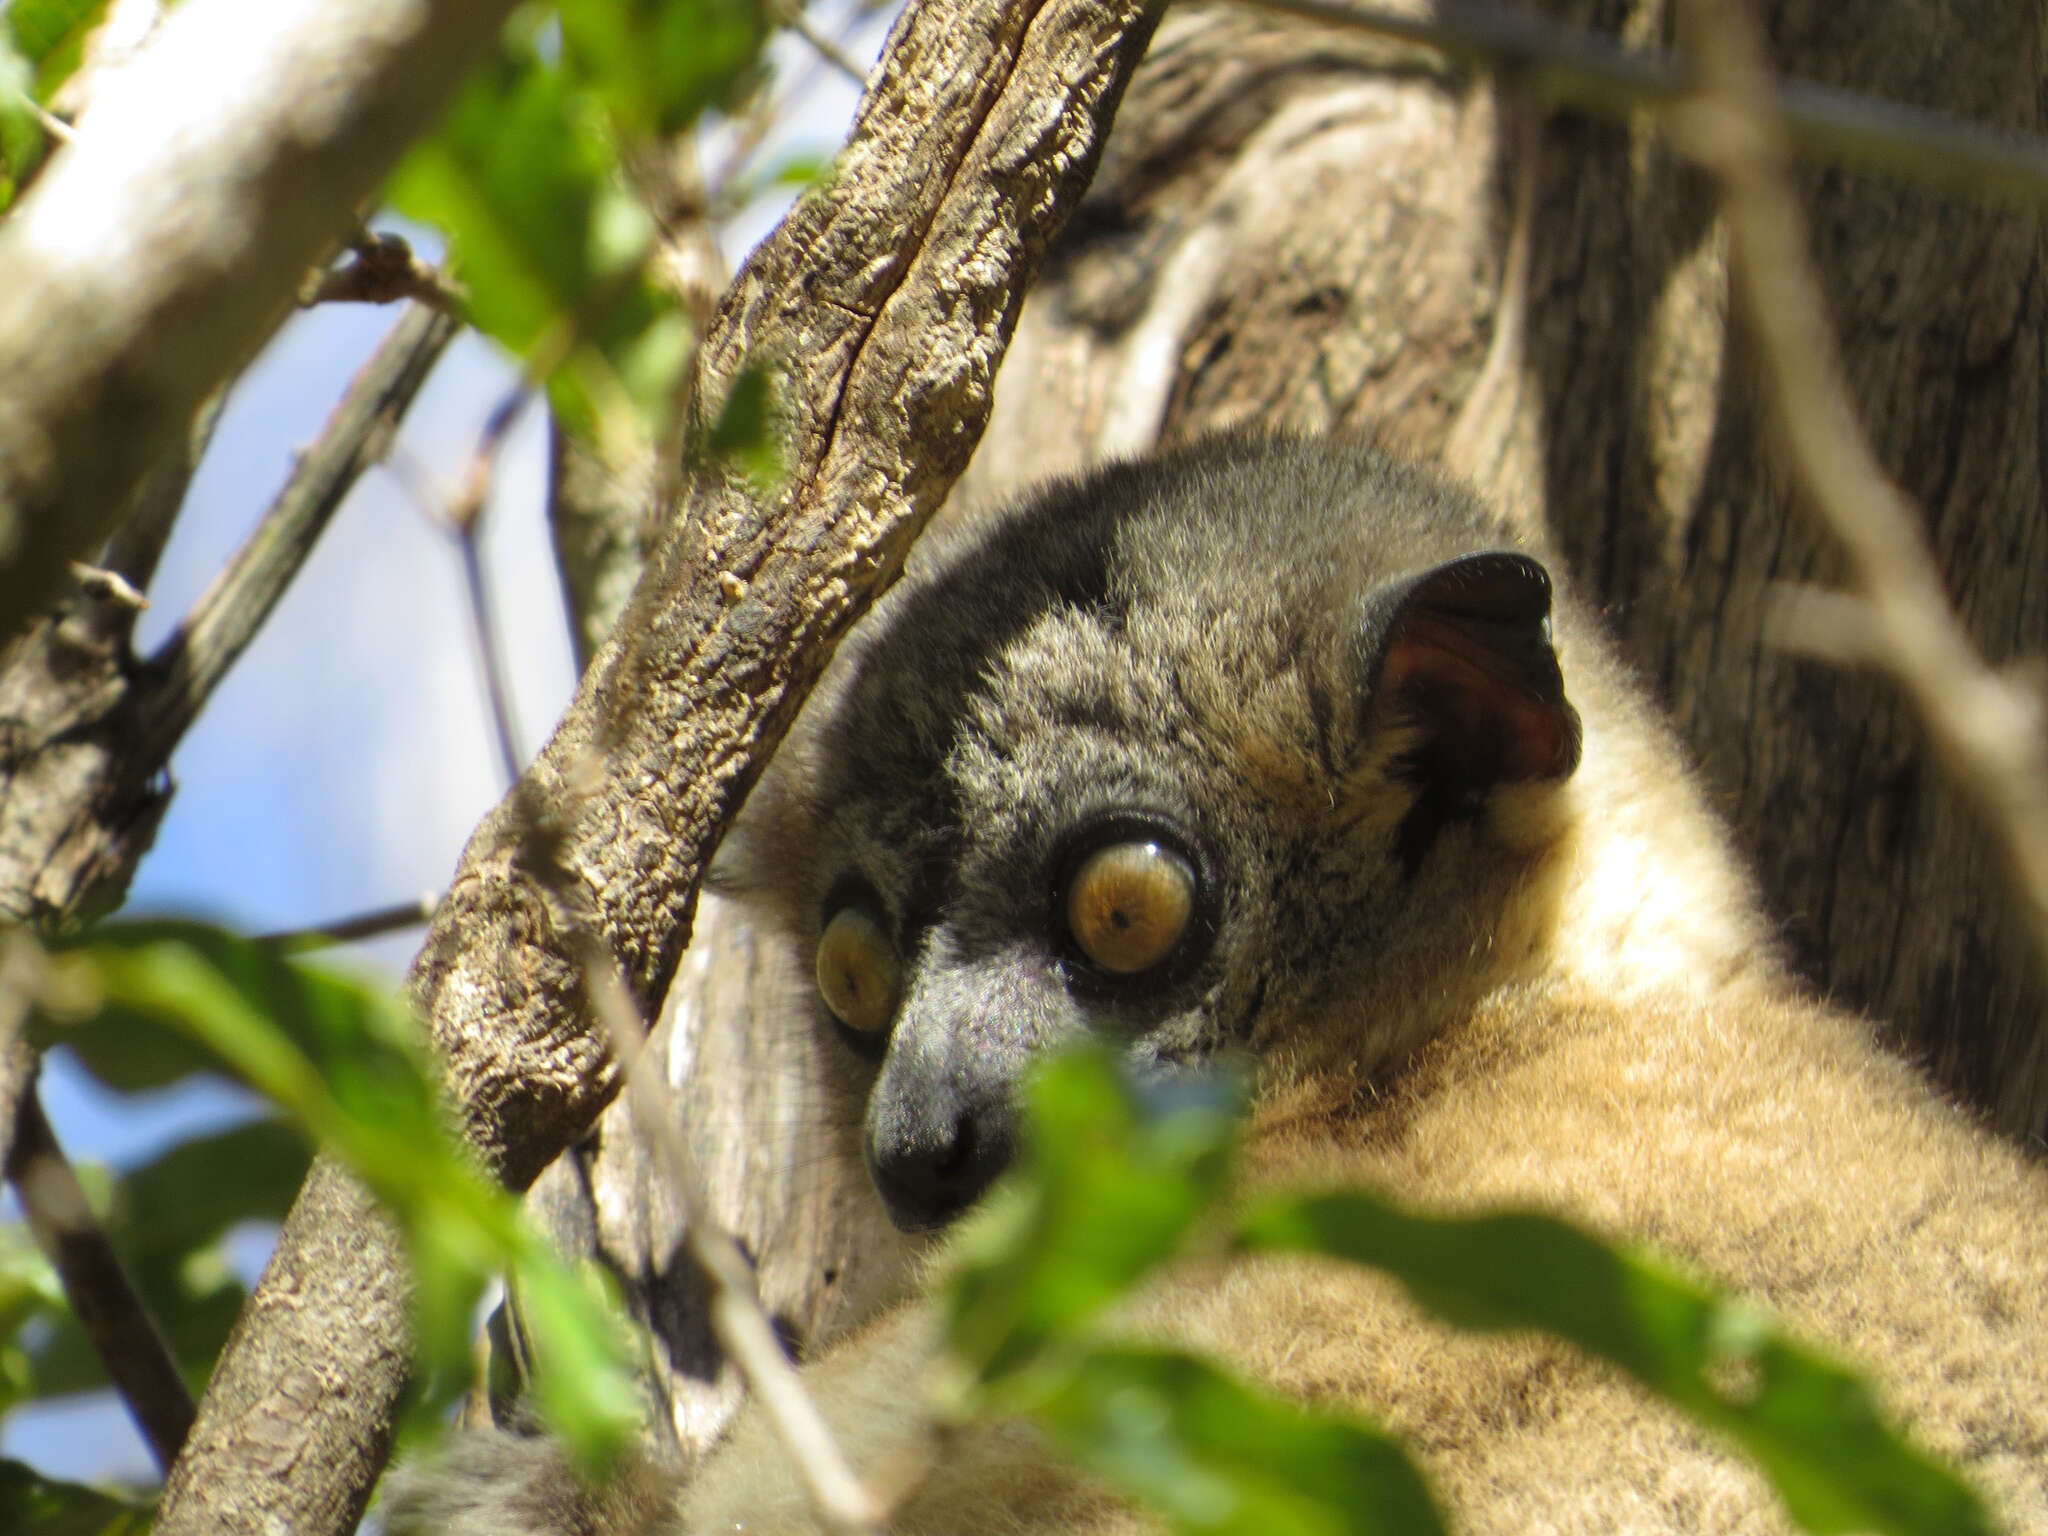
pixel 1464 650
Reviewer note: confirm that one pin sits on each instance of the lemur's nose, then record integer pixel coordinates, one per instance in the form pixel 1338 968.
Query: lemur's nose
pixel 933 1163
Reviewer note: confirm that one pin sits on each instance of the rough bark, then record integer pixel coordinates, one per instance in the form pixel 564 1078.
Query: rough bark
pixel 887 297
pixel 162 247
pixel 1296 227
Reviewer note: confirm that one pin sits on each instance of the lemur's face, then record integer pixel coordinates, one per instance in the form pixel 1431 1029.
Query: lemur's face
pixel 1106 771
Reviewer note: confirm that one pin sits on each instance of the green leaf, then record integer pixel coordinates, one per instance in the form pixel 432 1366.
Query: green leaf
pixel 1113 1174
pixel 549 244
pixel 21 131
pixel 190 1195
pixel 1809 1424
pixel 1214 1455
pixel 519 174
pixel 341 1057
pixel 657 64
pixel 130 1060
pixel 30 1294
pixel 573 1327
pixel 51 35
pixel 523 176
pixel 32 1505
pixel 347 1063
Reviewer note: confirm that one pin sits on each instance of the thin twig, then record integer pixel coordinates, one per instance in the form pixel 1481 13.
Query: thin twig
pixel 764 111
pixel 53 125
pixel 364 925
pixel 1596 73
pixel 739 1322
pixel 497 686
pixel 108 587
pixel 226 618
pixel 462 514
pixel 1988 728
pixel 116 1320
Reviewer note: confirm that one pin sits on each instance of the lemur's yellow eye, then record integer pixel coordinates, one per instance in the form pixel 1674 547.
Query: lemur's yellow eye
pixel 1129 904
pixel 857 971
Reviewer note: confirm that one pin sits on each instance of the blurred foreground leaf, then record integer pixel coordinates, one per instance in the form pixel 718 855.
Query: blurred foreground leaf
pixel 346 1063
pixel 1809 1424
pixel 1112 1176
pixel 31 1302
pixel 33 1505
pixel 1212 1454
pixel 744 434
pixel 21 131
pixel 1115 1172
pixel 50 35
pixel 658 64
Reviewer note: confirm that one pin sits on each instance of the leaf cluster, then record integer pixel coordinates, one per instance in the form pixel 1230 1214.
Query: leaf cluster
pixel 144 1005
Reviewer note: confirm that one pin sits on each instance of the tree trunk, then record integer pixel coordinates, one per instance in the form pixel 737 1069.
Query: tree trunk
pixel 1306 228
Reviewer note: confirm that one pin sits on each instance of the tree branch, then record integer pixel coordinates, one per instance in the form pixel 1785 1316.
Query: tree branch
pixel 160 249
pixel 887 298
pixel 138 543
pixel 363 925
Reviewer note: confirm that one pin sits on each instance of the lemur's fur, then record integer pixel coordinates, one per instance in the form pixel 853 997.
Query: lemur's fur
pixel 1486 950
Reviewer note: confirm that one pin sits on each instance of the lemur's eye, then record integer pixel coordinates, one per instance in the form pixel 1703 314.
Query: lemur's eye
pixel 857 971
pixel 1129 904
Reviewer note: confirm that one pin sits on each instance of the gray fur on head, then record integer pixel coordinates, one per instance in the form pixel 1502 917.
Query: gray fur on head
pixel 1187 645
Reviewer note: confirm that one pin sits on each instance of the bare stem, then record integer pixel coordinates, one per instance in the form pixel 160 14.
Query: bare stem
pixel 1987 727
pixel 382 269
pixel 364 925
pixel 1597 74
pixel 825 47
pixel 490 653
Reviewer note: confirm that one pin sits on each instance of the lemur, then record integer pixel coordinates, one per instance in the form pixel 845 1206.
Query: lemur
pixel 1277 746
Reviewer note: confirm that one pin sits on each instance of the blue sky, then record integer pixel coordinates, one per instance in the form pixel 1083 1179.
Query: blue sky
pixel 344 762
